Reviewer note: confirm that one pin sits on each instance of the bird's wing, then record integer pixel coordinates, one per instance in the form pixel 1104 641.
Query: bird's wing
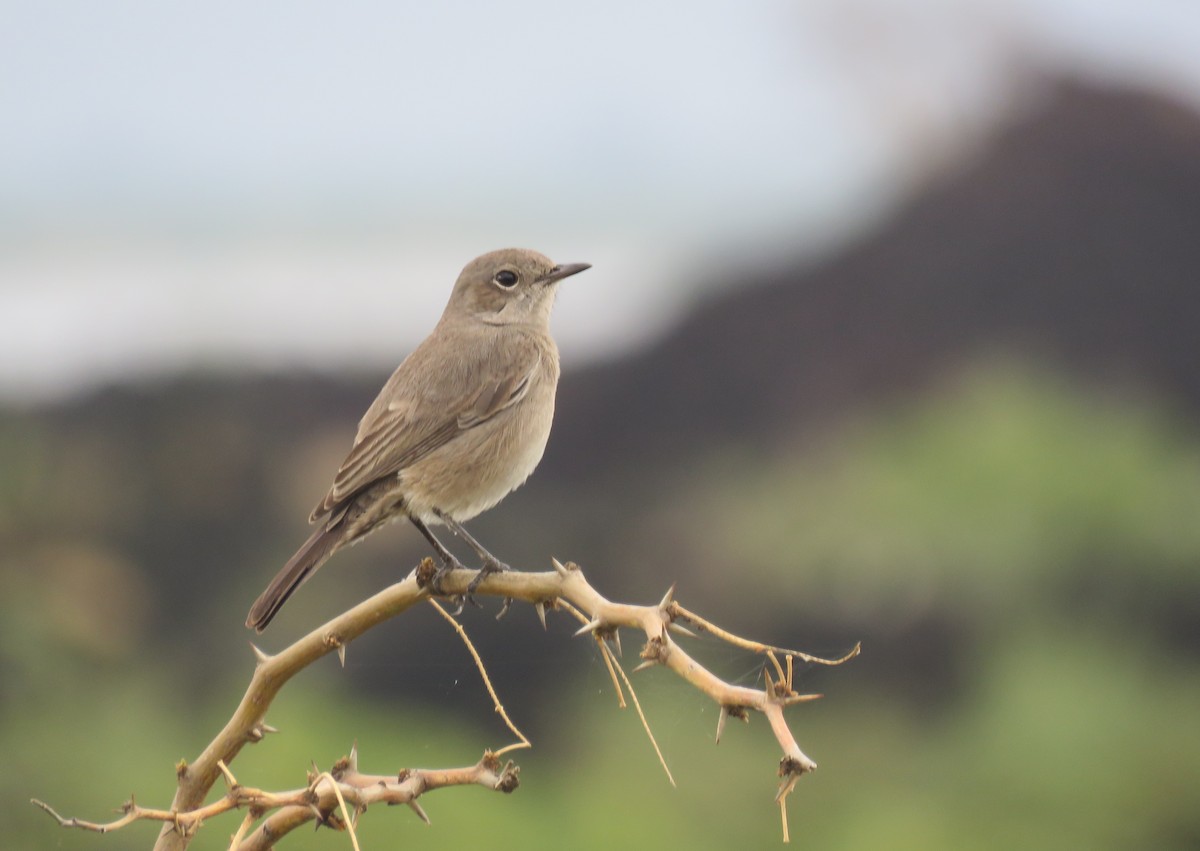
pixel 422 409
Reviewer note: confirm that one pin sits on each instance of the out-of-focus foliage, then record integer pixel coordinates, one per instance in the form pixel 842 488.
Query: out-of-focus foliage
pixel 1009 490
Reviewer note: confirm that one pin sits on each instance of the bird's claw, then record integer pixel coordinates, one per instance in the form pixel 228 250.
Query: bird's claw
pixel 437 581
pixel 485 570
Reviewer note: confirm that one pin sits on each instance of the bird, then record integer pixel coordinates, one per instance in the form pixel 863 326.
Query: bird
pixel 461 423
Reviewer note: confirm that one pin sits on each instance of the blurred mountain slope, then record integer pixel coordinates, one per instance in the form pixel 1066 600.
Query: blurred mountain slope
pixel 1074 236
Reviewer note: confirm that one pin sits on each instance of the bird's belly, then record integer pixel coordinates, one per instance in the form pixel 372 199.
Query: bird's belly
pixel 479 468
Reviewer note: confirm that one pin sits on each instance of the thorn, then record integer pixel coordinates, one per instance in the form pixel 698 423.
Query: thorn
pixel 258 731
pixel 341 651
pixel 668 598
pixel 801 698
pixel 721 719
pixel 416 808
pixel 616 640
pixel 353 759
pixel 560 567
pixel 679 629
pixel 649 663
pixel 540 608
pixel 259 656
pixel 230 780
pixel 590 626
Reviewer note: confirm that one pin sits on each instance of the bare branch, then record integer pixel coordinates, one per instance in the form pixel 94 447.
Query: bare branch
pixel 344 788
pixel 333 797
pixel 358 791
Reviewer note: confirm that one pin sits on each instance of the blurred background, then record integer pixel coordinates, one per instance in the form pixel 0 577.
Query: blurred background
pixel 891 336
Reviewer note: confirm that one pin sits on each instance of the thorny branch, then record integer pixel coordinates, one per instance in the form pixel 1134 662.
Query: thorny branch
pixel 564 587
pixel 329 798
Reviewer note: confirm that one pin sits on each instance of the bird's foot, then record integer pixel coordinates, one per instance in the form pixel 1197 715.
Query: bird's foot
pixel 488 567
pixel 448 564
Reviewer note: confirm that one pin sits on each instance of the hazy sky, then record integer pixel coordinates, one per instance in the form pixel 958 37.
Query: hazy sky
pixel 274 183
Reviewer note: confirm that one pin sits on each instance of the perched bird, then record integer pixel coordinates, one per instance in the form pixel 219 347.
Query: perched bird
pixel 461 423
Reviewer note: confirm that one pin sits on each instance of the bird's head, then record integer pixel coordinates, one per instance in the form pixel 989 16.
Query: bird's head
pixel 512 286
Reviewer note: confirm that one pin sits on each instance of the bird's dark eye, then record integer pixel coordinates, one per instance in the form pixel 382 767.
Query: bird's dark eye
pixel 506 279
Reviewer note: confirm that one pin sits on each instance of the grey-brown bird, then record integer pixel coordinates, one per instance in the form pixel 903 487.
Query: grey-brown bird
pixel 462 422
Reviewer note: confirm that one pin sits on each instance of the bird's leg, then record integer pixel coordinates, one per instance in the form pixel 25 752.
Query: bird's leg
pixel 447 558
pixel 490 565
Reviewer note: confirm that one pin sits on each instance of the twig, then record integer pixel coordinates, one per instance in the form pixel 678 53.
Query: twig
pixel 487 681
pixel 341 799
pixel 678 611
pixel 637 704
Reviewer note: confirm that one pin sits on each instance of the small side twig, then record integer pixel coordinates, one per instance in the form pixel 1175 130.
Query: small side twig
pixel 487 681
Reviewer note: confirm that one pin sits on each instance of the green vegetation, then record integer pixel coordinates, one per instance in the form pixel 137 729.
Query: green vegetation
pixel 1010 490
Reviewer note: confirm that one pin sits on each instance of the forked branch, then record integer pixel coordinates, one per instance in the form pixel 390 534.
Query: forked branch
pixel 333 798
pixel 564 587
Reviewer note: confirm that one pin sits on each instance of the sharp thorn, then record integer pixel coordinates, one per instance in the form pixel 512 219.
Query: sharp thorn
pixel 616 638
pixel 680 629
pixel 341 651
pixel 649 663
pixel 416 808
pixel 559 566
pixel 259 656
pixel 801 698
pixel 590 626
pixel 721 719
pixel 668 598
pixel 540 608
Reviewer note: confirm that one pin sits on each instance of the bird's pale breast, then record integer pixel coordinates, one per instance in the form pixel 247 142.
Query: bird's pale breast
pixel 481 466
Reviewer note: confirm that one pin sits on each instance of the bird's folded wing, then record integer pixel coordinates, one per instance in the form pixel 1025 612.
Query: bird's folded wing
pixel 396 435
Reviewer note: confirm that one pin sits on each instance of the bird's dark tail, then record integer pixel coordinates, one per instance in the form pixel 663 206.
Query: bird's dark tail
pixel 316 550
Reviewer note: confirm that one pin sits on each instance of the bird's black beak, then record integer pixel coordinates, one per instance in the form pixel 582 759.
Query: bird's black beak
pixel 566 270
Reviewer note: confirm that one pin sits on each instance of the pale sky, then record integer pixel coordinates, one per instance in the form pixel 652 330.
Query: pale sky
pixel 277 183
